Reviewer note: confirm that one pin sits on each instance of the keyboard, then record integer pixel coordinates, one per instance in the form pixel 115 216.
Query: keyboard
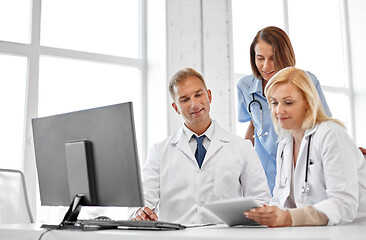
pixel 94 224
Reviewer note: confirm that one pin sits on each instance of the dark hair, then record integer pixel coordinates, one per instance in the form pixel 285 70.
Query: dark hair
pixel 182 75
pixel 283 53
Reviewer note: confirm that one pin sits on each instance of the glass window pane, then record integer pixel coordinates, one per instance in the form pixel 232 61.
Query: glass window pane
pixel 15 20
pixel 339 106
pixel 248 18
pixel 13 72
pixel 69 85
pixel 100 26
pixel 317 39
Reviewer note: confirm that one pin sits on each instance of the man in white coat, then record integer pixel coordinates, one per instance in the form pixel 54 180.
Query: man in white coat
pixel 182 172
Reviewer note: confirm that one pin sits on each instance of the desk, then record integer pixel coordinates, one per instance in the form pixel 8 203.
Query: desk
pixel 355 230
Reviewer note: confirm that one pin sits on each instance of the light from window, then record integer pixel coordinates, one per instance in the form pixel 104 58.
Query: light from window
pixel 99 26
pixel 338 104
pixel 316 36
pixel 13 72
pixel 248 18
pixel 14 20
pixel 67 85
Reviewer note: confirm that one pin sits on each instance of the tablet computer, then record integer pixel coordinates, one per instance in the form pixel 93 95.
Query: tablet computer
pixel 231 210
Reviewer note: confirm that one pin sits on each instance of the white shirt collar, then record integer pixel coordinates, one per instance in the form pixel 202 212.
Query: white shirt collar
pixel 209 132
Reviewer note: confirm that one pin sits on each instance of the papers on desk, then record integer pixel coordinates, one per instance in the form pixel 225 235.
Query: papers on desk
pixel 231 210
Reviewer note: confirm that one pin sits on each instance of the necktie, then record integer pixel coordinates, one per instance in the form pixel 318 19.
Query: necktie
pixel 200 151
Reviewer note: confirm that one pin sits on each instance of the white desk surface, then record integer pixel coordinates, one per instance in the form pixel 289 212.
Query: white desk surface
pixel 355 230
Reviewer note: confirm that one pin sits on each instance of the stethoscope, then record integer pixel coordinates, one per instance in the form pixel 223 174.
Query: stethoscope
pixel 305 189
pixel 261 134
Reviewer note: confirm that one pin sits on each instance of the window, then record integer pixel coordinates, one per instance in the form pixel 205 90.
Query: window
pixel 16 12
pixel 327 50
pixel 108 27
pixel 90 58
pixel 60 56
pixel 248 18
pixel 13 74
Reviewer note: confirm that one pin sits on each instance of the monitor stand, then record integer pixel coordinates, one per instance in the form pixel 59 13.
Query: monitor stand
pixel 81 175
pixel 71 215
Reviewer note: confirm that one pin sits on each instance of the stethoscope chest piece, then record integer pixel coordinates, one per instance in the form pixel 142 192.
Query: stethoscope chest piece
pixel 305 189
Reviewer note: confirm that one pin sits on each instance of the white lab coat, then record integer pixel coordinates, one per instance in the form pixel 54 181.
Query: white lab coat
pixel 177 188
pixel 336 176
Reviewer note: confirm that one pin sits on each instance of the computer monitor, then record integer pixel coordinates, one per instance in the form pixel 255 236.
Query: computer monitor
pixel 91 152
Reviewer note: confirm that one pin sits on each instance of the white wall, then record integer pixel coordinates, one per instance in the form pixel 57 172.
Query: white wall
pixel 198 37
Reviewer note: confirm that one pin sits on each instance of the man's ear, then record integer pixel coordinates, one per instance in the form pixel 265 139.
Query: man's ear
pixel 209 95
pixel 175 108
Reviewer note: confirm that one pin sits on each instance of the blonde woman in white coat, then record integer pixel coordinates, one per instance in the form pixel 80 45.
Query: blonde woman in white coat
pixel 321 174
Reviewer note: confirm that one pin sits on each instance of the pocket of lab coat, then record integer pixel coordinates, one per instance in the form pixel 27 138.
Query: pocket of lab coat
pixel 226 181
pixel 317 183
pixel 315 170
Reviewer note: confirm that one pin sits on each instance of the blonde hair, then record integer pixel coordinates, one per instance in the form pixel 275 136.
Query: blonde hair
pixel 315 112
pixel 182 75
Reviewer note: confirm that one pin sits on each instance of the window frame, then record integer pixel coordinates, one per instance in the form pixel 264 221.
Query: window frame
pixel 34 50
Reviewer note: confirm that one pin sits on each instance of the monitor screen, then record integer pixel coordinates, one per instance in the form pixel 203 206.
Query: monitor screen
pixel 91 152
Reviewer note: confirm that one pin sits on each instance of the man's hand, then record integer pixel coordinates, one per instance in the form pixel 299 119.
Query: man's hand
pixel 271 216
pixel 145 214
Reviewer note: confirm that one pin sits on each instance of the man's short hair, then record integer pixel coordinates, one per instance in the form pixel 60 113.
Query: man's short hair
pixel 182 75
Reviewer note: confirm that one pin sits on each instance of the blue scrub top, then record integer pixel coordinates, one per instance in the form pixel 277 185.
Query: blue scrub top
pixel 265 146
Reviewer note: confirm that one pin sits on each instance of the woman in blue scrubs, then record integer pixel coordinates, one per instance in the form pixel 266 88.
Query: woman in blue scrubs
pixel 270 51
